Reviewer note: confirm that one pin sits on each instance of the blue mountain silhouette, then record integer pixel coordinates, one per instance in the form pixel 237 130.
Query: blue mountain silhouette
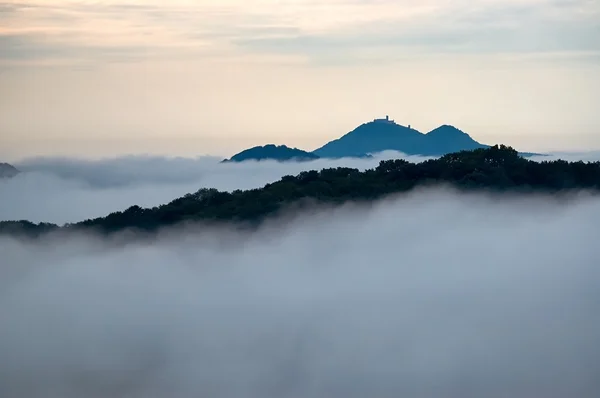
pixel 376 136
pixel 273 152
pixel 8 170
pixel 384 134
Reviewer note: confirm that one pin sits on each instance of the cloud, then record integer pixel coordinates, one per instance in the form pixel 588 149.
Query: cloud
pixel 31 47
pixel 590 156
pixel 491 29
pixel 61 190
pixel 74 190
pixel 351 29
pixel 432 294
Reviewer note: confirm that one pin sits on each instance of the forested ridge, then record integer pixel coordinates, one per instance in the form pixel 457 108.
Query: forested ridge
pixel 498 168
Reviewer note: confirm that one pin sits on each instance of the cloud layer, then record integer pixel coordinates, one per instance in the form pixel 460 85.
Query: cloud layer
pixel 62 190
pixel 130 31
pixel 432 294
pixel 70 190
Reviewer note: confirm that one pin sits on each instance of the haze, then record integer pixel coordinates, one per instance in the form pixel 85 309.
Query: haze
pixel 81 78
pixel 66 190
pixel 432 294
pixel 76 189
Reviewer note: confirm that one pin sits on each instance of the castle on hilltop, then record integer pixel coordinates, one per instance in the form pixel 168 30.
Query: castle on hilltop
pixel 386 120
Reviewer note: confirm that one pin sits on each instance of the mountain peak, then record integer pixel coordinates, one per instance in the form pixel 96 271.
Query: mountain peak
pixel 384 120
pixel 375 136
pixel 446 129
pixel 273 152
pixel 447 139
pixel 385 134
pixel 8 170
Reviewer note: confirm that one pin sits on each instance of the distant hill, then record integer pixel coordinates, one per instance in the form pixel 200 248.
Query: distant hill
pixel 7 170
pixel 384 135
pixel 273 152
pixel 448 139
pixel 373 137
pixel 493 169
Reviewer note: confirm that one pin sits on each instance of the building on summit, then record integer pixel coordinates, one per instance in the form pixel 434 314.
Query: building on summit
pixel 386 120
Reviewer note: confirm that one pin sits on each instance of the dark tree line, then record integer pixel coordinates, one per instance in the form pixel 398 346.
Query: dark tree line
pixel 497 168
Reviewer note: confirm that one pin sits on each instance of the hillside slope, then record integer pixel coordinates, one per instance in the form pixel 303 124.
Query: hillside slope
pixel 373 137
pixel 8 170
pixel 384 135
pixel 448 139
pixel 273 152
pixel 497 168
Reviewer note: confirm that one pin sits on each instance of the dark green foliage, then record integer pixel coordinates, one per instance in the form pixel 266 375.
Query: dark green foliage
pixel 26 228
pixel 497 168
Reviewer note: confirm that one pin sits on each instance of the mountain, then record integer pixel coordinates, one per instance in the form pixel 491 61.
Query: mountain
pixel 447 139
pixel 493 169
pixel 7 170
pixel 273 152
pixel 376 136
pixel 384 135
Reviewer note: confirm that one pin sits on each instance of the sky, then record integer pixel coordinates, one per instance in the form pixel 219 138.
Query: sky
pixel 430 294
pixel 187 78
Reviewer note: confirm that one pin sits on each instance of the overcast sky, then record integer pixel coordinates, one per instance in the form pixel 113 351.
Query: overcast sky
pixel 97 78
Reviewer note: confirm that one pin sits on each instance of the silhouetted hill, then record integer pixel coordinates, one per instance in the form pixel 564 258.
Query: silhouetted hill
pixel 384 135
pixel 273 152
pixel 496 168
pixel 373 137
pixel 7 170
pixel 447 139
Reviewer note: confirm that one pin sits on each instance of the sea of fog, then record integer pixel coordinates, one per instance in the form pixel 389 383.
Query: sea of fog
pixel 432 294
pixel 60 190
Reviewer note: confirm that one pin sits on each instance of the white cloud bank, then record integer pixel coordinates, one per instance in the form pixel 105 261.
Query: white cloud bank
pixel 68 190
pixel 71 190
pixel 433 294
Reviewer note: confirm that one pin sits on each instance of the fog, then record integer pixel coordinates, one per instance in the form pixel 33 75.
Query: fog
pixel 70 190
pixel 588 156
pixel 430 294
pixel 61 190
